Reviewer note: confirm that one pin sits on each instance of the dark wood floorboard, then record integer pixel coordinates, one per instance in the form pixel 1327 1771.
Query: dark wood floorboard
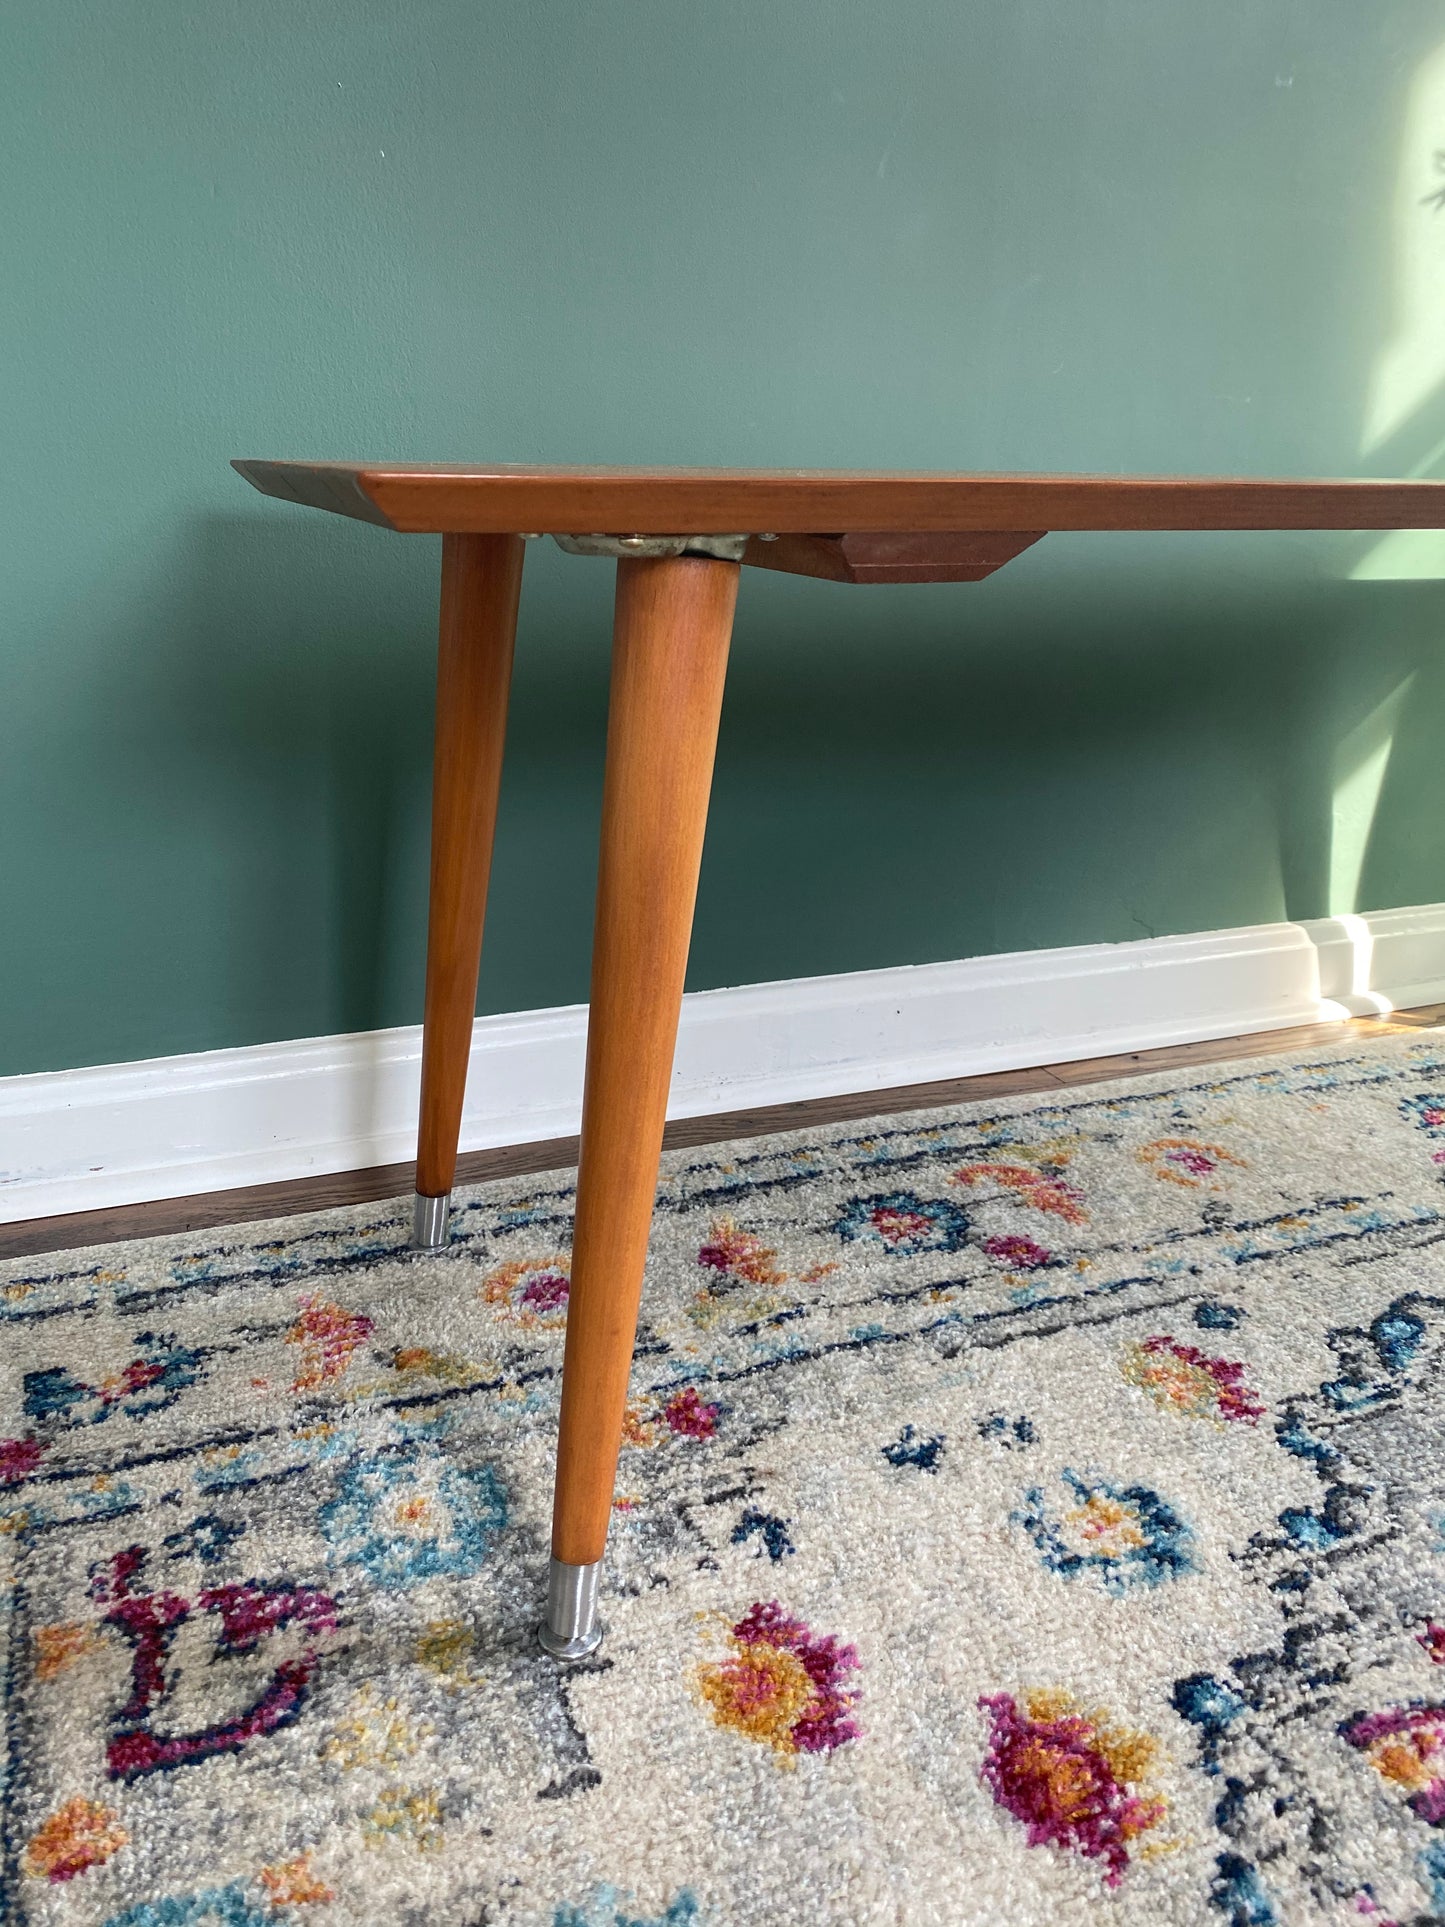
pixel 250 1203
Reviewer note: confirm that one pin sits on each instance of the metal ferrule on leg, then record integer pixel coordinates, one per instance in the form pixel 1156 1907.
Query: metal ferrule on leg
pixel 570 1630
pixel 429 1222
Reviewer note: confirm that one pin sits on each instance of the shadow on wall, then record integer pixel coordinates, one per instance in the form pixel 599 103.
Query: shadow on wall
pixel 280 694
pixel 904 775
pixel 1041 759
pixel 283 706
pixel 1363 706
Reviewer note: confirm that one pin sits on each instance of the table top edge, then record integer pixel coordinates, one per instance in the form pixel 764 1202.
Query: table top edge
pixel 528 498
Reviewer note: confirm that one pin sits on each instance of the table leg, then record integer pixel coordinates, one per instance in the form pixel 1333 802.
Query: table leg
pixel 481 583
pixel 670 647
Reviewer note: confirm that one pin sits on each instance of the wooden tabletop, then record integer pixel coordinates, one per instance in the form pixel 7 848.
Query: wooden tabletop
pixel 701 501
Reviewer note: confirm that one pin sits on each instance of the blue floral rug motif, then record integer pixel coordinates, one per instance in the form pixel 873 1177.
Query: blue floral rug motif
pixel 1028 1513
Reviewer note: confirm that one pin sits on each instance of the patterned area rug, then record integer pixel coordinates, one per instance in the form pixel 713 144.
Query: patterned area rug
pixel 1029 1514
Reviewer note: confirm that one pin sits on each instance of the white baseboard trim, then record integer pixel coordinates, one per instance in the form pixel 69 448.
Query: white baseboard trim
pixel 173 1126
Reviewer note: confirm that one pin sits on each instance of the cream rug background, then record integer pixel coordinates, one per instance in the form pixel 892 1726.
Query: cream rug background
pixel 1031 1513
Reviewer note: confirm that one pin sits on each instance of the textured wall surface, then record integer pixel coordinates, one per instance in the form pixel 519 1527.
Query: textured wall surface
pixel 1109 235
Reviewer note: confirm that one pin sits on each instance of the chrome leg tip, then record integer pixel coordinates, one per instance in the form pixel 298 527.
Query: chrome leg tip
pixel 570 1631
pixel 568 1650
pixel 429 1222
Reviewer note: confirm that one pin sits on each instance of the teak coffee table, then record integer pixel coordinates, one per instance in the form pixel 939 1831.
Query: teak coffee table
pixel 674 614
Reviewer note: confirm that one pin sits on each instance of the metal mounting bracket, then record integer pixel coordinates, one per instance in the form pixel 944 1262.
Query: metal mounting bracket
pixel 722 548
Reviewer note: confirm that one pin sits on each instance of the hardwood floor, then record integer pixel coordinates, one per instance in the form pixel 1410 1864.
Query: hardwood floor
pixel 250 1202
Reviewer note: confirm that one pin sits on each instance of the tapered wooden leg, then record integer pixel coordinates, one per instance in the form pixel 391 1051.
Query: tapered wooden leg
pixel 481 583
pixel 670 646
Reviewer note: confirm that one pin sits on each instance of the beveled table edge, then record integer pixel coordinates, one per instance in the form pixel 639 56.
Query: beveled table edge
pixel 463 499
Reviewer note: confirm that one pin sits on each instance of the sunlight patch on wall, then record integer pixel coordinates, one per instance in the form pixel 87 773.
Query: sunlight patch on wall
pixel 1404 555
pixel 1360 764
pixel 1359 944
pixel 1407 555
pixel 1412 363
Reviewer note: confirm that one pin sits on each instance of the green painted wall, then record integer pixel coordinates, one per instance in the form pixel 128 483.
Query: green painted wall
pixel 1096 234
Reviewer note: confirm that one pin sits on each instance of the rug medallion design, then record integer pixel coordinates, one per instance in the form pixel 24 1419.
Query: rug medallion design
pixel 1029 1513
